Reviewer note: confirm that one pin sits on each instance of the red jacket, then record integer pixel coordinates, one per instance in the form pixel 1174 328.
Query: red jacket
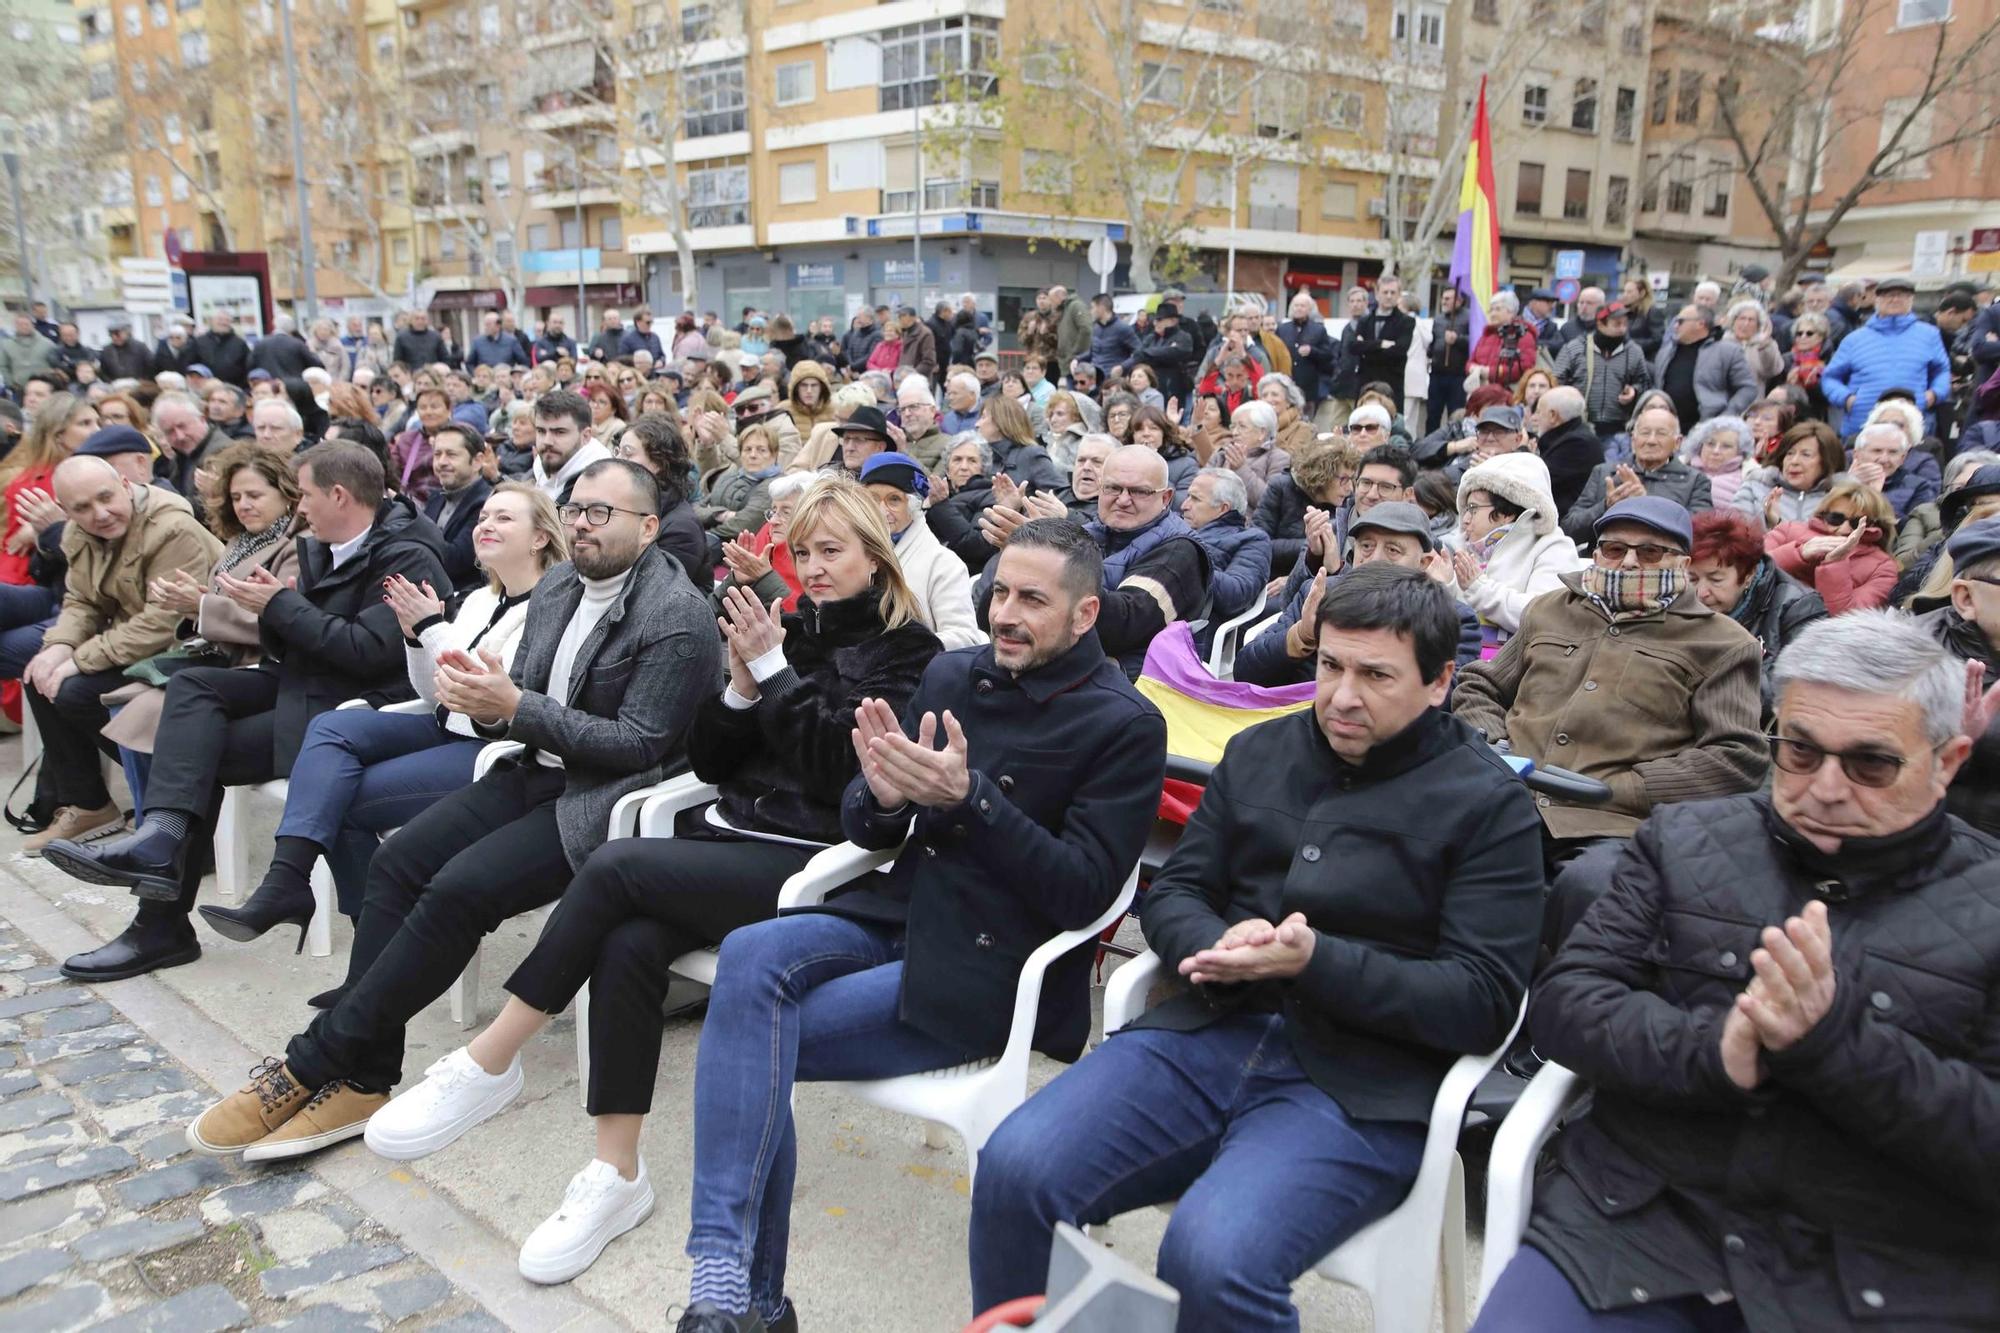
pixel 1503 367
pixel 1861 582
pixel 780 556
pixel 14 568
pixel 1212 384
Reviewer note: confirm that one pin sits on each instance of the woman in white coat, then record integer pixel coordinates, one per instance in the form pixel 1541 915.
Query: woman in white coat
pixel 1511 547
pixel 938 577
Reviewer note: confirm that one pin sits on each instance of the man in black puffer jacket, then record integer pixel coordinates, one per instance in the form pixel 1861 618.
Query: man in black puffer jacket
pixel 1969 627
pixel 1784 1005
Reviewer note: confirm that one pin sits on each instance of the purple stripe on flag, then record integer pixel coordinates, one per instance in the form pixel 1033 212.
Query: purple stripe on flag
pixel 1171 660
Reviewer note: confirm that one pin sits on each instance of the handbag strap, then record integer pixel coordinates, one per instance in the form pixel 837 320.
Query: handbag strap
pixel 22 823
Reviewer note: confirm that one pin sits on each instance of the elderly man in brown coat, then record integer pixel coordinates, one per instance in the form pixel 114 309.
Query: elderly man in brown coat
pixel 1623 676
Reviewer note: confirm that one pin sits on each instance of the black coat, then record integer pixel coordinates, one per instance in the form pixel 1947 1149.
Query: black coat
pixel 1382 341
pixel 683 538
pixel 226 355
pixel 333 638
pixel 1282 515
pixel 130 362
pixel 1314 356
pixel 461 562
pixel 1858 1186
pixel 954 521
pixel 1571 451
pixel 285 355
pixel 1171 358
pixel 783 766
pixel 1066 763
pixel 1778 608
pixel 1420 870
pixel 1975 793
pixel 418 349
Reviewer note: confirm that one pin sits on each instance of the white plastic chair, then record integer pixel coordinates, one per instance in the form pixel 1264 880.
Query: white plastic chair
pixel 1396 1258
pixel 1228 637
pixel 649 813
pixel 970 1099
pixel 1510 1171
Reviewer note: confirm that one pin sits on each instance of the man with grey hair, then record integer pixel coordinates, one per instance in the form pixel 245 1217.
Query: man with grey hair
pixel 281 351
pixel 277 425
pixel 916 409
pixel 1217 507
pixel 1784 1004
pixel 1566 442
pixel 190 439
pixel 962 403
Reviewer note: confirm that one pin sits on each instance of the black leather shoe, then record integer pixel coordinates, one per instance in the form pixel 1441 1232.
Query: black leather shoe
pixel 326 999
pixel 145 946
pixel 272 905
pixel 788 1322
pixel 148 862
pixel 704 1317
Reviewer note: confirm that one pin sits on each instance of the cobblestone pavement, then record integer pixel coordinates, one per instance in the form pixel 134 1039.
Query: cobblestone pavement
pixel 108 1222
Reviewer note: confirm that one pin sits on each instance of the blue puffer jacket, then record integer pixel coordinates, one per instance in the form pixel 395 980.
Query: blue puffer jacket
pixel 1888 352
pixel 1242 564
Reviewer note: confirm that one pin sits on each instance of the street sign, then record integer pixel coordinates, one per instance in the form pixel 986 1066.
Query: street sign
pixel 1103 256
pixel 145 286
pixel 1930 257
pixel 1569 264
pixel 1566 289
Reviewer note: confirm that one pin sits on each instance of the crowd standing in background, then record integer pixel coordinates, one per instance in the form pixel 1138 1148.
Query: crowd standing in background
pixel 1737 559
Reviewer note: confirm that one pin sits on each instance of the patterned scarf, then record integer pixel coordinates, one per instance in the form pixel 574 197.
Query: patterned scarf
pixel 1625 594
pixel 245 546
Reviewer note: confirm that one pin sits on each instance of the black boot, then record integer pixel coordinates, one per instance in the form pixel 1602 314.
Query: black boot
pixel 148 861
pixel 150 942
pixel 271 905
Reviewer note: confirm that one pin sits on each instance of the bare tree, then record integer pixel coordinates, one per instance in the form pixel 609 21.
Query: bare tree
pixel 1801 145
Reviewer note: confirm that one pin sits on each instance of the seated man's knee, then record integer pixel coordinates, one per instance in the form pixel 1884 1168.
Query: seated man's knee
pixel 1580 882
pixel 1210 1258
pixel 637 949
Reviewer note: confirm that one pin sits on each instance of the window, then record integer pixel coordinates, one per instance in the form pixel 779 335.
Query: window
pixel 211 171
pixel 1280 112
pixel 1159 185
pixel 154 195
pixel 1656 105
pixel 1486 11
pixel 1344 110
pixel 1576 195
pixel 716 101
pixel 1687 102
pixel 103 82
pixel 1528 189
pixel 500 173
pixel 1162 83
pixel 1350 18
pixel 856 165
pixel 1717 203
pixel 135 21
pixel 1649 193
pixel 538 236
pixel 795 83
pixel 1413 119
pixel 1047 173
pixel 1625 115
pixel 1211 187
pixel 157 11
pixel 1430 27
pixel 1726 91
pixel 611 233
pixel 1428 43
pixel 1583 106
pixel 489 23
pixel 1534 103
pixel 399 250
pixel 503 254
pixel 194 49
pixel 1910 13
pixel 534 173
pixel 798 182
pixel 1633 39
pixel 719 197
pixel 1680 185
pixel 1339 199
pixel 486 96
pixel 925 63
pixel 1617 198
pixel 447 245
pixel 395 184
pixel 180 188
pixel 1590 23
pixel 572 234
pixel 138 76
pixel 1042 68
pixel 385 54
pixel 1911 161
pixel 173 127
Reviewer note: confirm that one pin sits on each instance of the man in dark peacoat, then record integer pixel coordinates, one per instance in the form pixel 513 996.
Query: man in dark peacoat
pixel 1355 903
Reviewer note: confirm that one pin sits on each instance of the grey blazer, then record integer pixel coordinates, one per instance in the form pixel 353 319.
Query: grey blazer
pixel 1723 380
pixel 633 690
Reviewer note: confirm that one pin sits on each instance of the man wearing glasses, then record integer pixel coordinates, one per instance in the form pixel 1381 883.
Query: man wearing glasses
pixel 1784 1005
pixel 617 651
pixel 1655 470
pixel 1623 676
pixel 1969 625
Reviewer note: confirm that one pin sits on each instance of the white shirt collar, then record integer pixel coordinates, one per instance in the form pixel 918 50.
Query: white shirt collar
pixel 345 551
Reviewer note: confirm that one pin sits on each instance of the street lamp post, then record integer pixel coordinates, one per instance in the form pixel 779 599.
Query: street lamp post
pixel 576 179
pixel 917 194
pixel 309 269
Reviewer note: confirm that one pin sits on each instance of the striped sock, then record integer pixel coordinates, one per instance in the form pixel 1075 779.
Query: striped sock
pixel 772 1316
pixel 171 822
pixel 723 1283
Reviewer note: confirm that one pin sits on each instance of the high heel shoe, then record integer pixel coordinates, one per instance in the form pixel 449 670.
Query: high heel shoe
pixel 269 906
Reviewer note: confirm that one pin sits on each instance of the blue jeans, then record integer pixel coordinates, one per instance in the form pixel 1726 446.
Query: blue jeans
pixel 1270 1173
pixel 26 612
pixel 361 773
pixel 1533 1296
pixel 806 998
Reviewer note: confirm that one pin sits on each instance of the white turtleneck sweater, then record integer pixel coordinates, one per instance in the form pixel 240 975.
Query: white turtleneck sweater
pixel 598 594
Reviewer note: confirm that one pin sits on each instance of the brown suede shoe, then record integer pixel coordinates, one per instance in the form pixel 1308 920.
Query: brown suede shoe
pixel 72 822
pixel 337 1111
pixel 268 1100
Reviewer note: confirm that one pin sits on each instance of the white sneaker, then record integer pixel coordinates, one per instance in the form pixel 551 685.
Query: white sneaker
pixel 598 1207
pixel 456 1094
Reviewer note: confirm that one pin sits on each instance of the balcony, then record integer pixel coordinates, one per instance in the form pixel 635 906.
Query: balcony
pixel 442 142
pixel 1273 217
pixel 561 112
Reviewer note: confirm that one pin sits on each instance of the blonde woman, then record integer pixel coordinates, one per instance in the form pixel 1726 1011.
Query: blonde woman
pixel 361 773
pixel 776 742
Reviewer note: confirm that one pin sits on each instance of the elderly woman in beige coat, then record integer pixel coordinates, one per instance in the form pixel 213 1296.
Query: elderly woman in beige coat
pixel 252 496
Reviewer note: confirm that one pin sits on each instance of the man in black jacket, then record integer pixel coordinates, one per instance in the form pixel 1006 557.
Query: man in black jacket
pixel 330 639
pixel 282 352
pixel 1168 350
pixel 223 351
pixel 1969 626
pixel 1784 1005
pixel 123 359
pixel 1354 905
pixel 461 493
pixel 418 345
pixel 616 651
pixel 1314 353
pixel 1382 339
pixel 1034 838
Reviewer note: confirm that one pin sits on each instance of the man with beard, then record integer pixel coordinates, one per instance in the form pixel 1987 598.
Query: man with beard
pixel 1033 838
pixel 563 445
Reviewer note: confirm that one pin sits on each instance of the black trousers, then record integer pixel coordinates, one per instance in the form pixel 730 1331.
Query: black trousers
pixel 442 883
pixel 71 745
pixel 638 904
pixel 1579 872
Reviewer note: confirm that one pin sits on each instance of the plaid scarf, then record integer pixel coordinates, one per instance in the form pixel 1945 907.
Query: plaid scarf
pixel 1625 594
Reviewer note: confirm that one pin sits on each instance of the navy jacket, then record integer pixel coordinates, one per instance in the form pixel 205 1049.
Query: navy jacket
pixel 1112 344
pixel 633 340
pixel 502 349
pixel 1241 557
pixel 460 562
pixel 1314 356
pixel 1065 764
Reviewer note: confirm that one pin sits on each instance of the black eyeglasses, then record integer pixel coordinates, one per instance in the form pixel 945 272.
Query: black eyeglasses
pixel 1870 768
pixel 596 515
pixel 1837 520
pixel 1649 553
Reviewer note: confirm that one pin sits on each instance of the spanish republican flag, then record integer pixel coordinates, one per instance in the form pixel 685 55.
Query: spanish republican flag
pixel 1475 254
